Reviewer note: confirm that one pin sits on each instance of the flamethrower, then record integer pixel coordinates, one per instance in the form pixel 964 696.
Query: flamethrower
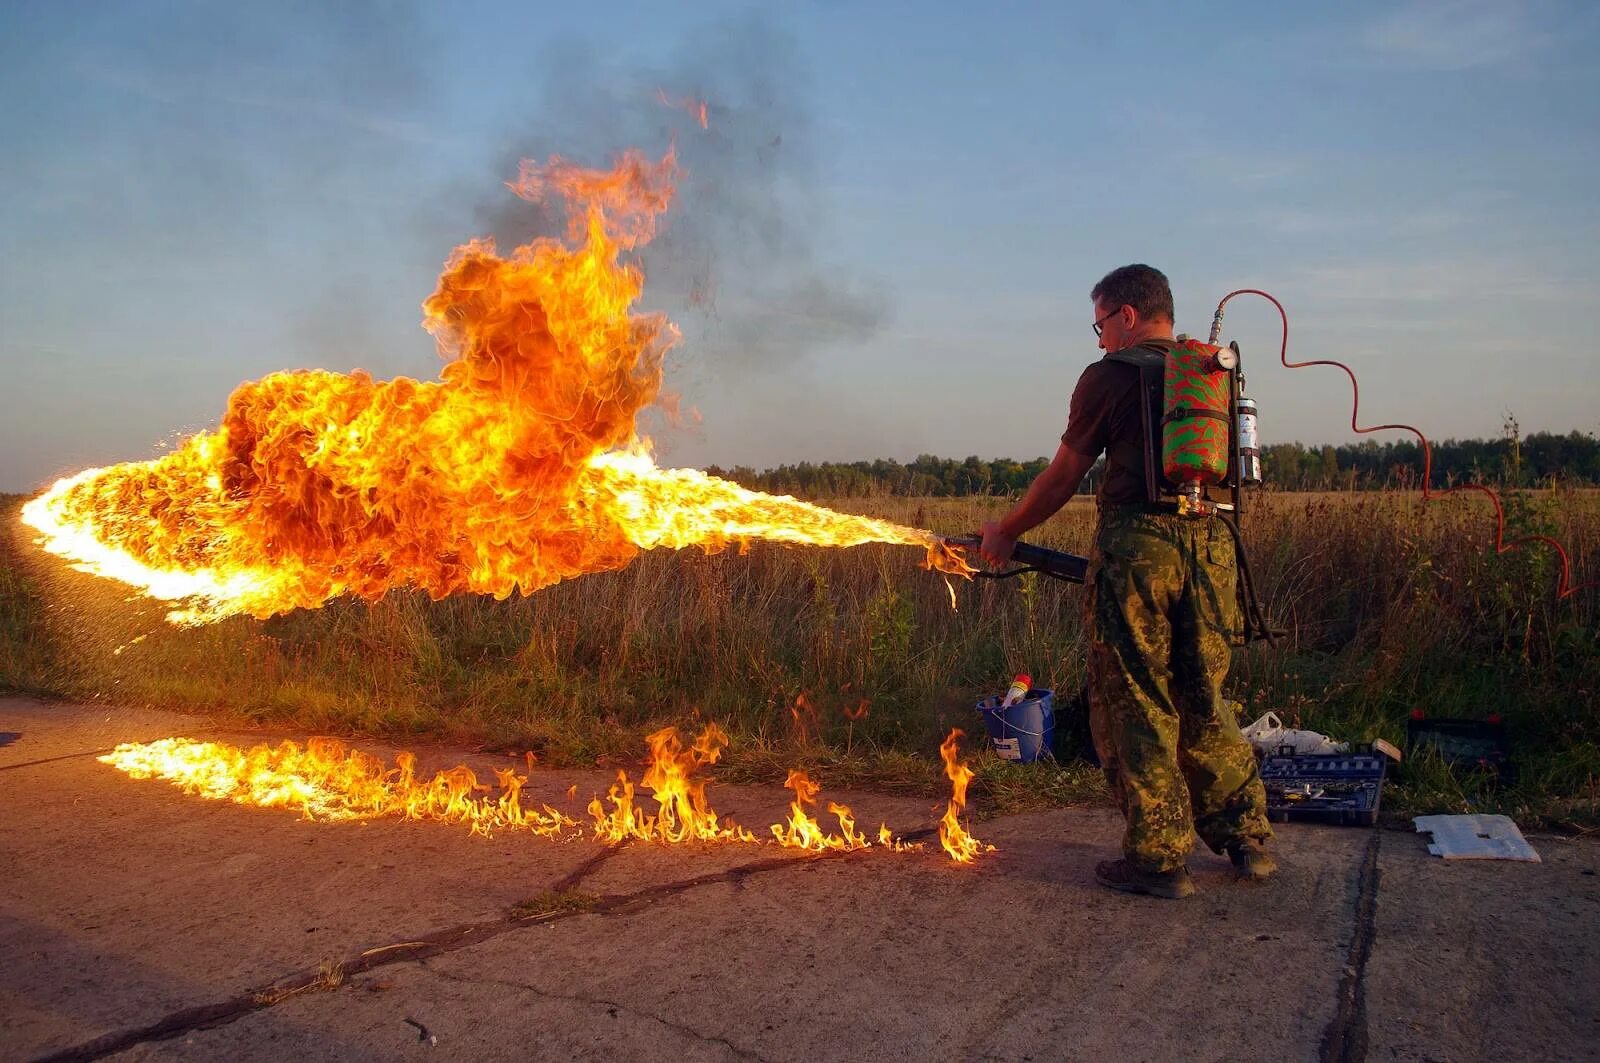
pixel 1029 558
pixel 1070 568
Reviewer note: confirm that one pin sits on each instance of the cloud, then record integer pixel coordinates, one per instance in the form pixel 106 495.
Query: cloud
pixel 1475 280
pixel 1458 34
pixel 190 90
pixel 374 122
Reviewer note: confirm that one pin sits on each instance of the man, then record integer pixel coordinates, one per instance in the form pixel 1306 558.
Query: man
pixel 1161 617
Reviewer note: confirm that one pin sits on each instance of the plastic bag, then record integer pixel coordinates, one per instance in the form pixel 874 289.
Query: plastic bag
pixel 1268 735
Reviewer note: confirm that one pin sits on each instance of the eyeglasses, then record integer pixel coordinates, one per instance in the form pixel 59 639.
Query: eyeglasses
pixel 1098 325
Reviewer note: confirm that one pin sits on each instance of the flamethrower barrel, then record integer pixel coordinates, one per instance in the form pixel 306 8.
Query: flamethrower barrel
pixel 1063 566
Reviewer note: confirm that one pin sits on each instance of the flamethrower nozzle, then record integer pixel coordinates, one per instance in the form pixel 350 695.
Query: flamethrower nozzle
pixel 1030 558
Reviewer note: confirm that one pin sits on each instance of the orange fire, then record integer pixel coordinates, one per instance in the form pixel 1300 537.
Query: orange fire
pixel 962 847
pixel 695 108
pixel 325 780
pixel 682 811
pixel 520 467
pixel 803 832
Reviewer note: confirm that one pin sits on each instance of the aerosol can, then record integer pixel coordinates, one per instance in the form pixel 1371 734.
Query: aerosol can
pixel 1019 689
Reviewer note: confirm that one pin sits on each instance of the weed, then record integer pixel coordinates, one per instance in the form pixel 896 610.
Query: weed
pixel 330 975
pixel 554 902
pixel 1390 606
pixel 1011 787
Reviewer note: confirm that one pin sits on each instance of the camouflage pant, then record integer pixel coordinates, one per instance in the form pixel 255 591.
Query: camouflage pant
pixel 1162 616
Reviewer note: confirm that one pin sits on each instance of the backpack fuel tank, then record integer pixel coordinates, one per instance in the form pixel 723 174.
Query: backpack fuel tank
pixel 1187 413
pixel 1196 423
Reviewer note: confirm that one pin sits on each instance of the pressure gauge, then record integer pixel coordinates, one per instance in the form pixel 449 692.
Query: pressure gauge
pixel 1228 357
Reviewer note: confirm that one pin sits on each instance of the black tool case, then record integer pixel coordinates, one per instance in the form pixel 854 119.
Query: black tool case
pixel 1463 743
pixel 1342 788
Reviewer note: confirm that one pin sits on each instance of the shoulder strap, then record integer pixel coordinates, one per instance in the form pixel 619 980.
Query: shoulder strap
pixel 1151 361
pixel 1143 356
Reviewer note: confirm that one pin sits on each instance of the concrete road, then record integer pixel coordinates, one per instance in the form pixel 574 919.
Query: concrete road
pixel 139 923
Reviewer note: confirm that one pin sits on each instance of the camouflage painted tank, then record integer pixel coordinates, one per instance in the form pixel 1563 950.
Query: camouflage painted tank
pixel 1196 440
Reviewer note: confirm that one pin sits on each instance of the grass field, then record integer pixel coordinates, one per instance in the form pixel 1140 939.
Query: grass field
pixel 853 663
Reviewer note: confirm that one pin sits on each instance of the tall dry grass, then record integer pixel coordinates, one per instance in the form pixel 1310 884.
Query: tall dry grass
pixel 1390 607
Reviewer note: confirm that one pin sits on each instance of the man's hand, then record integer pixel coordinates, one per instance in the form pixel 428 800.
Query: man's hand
pixel 1048 493
pixel 997 545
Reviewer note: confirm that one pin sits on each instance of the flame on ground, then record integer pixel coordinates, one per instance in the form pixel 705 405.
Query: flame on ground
pixel 326 780
pixel 803 832
pixel 962 847
pixel 682 811
pixel 520 467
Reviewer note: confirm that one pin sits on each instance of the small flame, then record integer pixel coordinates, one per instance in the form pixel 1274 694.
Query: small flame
pixel 962 847
pixel 696 109
pixel 803 832
pixel 683 813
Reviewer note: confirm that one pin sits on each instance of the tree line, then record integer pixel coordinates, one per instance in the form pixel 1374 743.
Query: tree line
pixel 1541 458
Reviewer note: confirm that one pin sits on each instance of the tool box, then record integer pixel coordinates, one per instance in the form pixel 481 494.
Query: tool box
pixel 1482 744
pixel 1342 788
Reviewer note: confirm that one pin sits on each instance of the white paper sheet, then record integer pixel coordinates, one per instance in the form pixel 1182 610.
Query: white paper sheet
pixel 1476 838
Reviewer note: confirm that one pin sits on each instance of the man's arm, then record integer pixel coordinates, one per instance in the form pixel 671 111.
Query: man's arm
pixel 1048 493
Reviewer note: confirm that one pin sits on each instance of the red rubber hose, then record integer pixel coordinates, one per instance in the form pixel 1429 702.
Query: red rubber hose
pixel 1563 588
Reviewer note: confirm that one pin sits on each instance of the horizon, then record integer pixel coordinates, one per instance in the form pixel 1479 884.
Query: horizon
pixel 884 237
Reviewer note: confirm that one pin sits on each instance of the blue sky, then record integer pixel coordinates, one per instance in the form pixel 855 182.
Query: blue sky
pixel 900 207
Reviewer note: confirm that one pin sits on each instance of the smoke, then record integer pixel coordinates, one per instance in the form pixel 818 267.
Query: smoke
pixel 735 263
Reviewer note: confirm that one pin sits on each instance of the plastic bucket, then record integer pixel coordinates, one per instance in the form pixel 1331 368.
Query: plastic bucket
pixel 1024 731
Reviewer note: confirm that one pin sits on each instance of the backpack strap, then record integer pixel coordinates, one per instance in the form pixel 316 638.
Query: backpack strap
pixel 1152 355
pixel 1150 359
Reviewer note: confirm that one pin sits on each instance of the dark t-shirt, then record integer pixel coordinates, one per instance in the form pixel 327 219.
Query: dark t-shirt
pixel 1105 413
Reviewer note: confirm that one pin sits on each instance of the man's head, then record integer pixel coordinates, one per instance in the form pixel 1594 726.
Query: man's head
pixel 1132 304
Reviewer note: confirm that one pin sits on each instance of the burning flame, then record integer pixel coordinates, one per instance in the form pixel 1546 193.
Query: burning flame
pixel 518 468
pixel 803 832
pixel 683 813
pixel 326 780
pixel 695 108
pixel 962 847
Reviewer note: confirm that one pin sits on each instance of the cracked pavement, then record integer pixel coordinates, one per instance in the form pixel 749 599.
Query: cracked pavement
pixel 138 923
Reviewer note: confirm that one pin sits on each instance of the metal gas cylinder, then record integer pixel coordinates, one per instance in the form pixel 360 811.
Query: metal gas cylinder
pixel 1249 444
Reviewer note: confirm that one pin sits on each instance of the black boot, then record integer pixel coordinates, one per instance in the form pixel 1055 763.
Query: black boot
pixel 1251 861
pixel 1121 875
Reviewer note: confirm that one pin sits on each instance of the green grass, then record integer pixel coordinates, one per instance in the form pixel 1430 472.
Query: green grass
pixel 1391 607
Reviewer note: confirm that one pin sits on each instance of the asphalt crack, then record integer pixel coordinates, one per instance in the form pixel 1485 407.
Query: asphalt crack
pixel 450 939
pixel 570 881
pixel 205 733
pixel 55 760
pixel 613 1006
pixel 1345 1038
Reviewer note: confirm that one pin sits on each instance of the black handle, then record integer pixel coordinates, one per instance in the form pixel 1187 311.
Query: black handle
pixel 1061 565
